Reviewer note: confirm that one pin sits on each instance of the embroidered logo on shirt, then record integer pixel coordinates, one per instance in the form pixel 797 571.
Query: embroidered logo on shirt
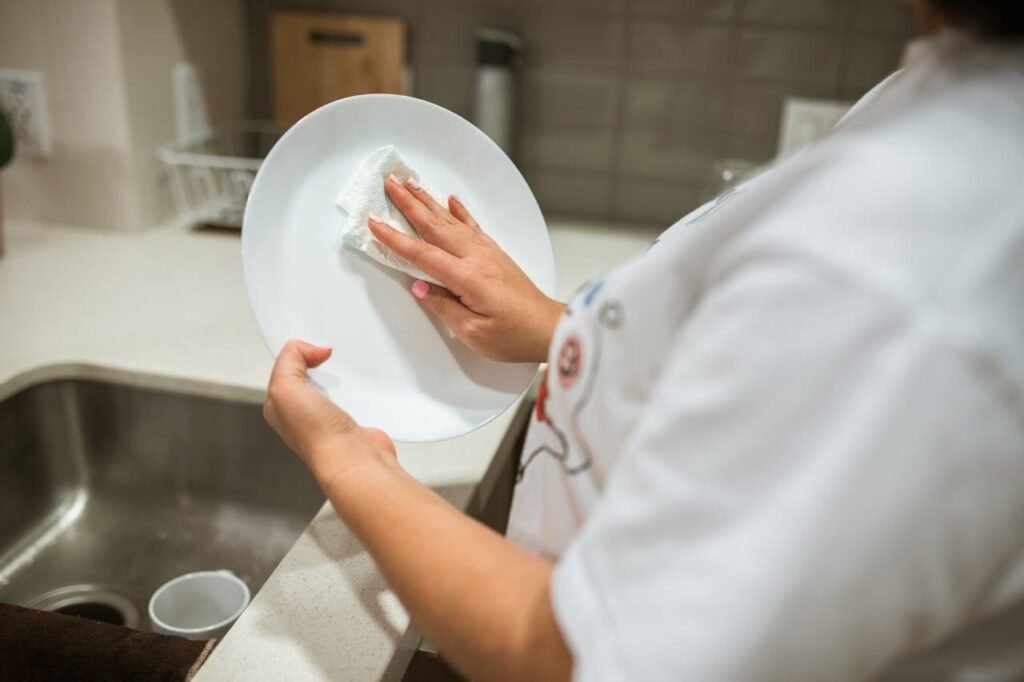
pixel 568 366
pixel 569 361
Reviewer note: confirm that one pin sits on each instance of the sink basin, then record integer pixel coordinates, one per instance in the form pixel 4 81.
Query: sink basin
pixel 108 490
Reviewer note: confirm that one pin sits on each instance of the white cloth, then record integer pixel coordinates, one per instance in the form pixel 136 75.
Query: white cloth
pixel 787 443
pixel 363 195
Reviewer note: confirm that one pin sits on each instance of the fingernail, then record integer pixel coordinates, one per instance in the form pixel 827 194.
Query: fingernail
pixel 457 200
pixel 374 218
pixel 420 289
pixel 412 184
pixel 394 178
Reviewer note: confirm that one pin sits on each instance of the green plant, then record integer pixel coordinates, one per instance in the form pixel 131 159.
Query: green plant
pixel 6 141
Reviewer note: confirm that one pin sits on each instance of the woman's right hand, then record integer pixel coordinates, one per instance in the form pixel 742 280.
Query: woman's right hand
pixel 487 301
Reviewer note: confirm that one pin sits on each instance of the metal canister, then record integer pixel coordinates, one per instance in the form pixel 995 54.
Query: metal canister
pixel 499 54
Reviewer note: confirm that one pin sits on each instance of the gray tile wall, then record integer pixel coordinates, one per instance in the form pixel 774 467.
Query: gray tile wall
pixel 627 103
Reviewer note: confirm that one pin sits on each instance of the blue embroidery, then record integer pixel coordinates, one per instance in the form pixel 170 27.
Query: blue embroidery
pixel 588 298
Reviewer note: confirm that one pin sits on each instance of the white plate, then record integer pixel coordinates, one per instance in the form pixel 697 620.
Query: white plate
pixel 394 366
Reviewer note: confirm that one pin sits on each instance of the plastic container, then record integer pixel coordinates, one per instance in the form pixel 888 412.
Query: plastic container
pixel 201 605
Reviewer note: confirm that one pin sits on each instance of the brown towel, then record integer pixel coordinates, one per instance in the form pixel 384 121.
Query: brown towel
pixel 39 645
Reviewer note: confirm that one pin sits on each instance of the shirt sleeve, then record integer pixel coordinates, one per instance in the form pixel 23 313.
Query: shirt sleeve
pixel 818 485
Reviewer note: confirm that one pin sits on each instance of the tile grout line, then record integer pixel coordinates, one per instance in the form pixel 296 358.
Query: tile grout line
pixel 847 46
pixel 732 80
pixel 619 116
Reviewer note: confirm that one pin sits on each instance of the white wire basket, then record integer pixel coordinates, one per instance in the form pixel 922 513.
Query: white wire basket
pixel 211 174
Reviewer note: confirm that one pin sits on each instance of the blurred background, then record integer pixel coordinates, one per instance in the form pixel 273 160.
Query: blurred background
pixel 139 112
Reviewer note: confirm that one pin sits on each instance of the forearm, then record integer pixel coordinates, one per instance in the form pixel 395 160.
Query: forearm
pixel 481 599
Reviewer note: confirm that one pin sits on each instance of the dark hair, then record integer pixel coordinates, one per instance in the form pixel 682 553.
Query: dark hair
pixel 1000 19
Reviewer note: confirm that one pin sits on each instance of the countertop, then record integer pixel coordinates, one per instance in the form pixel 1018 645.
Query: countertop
pixel 167 307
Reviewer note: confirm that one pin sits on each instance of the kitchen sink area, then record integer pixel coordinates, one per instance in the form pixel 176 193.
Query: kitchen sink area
pixel 108 490
pixel 133 450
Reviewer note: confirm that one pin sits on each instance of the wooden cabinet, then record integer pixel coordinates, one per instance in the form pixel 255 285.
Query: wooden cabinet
pixel 318 58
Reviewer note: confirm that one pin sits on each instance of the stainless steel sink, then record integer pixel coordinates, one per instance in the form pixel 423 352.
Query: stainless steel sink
pixel 109 490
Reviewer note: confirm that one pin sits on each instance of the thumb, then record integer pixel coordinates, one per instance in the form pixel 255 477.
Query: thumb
pixel 313 355
pixel 298 356
pixel 443 304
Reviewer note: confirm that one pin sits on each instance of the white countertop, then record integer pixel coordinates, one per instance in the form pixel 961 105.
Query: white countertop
pixel 168 308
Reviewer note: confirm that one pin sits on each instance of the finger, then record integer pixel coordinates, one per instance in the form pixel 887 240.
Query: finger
pixel 444 305
pixel 313 355
pixel 412 186
pixel 296 358
pixel 432 221
pixel 432 260
pixel 459 211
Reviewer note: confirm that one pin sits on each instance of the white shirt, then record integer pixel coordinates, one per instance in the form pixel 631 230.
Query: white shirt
pixel 787 443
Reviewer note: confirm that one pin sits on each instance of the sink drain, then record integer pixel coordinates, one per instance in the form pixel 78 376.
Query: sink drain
pixel 93 602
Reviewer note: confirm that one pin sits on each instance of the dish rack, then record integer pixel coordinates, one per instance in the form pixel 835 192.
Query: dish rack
pixel 211 174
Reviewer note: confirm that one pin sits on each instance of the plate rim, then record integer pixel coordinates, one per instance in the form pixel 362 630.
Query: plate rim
pixel 415 101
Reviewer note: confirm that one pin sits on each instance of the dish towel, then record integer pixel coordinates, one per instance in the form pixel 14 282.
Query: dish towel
pixel 39 645
pixel 364 195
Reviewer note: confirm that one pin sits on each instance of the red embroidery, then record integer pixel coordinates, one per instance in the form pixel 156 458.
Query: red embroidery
pixel 569 361
pixel 542 397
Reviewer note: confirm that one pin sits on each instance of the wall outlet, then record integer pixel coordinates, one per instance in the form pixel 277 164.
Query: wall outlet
pixel 23 100
pixel 805 121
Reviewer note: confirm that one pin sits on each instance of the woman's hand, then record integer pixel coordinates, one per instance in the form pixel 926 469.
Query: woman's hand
pixel 428 551
pixel 487 301
pixel 325 437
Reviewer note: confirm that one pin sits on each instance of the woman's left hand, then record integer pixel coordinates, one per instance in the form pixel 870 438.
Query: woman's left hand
pixel 428 551
pixel 324 436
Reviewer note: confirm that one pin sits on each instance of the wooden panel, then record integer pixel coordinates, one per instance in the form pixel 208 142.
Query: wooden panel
pixel 318 58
